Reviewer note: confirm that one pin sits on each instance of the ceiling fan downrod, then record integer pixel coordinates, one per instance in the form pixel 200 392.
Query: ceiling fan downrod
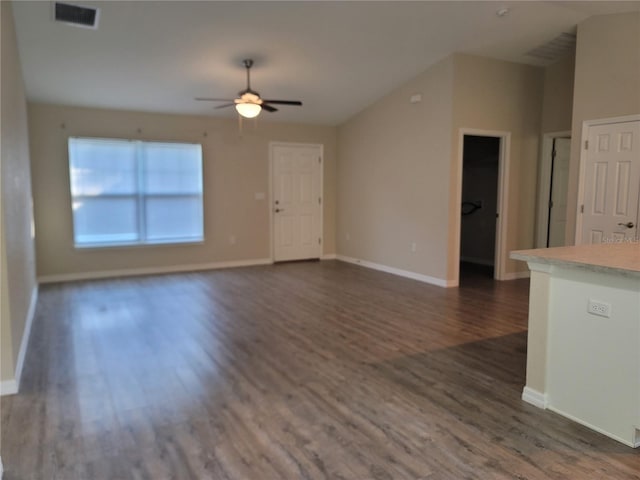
pixel 248 63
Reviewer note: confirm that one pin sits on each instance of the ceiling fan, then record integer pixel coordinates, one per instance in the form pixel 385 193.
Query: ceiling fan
pixel 249 104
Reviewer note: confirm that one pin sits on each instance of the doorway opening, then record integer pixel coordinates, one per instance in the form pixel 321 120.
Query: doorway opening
pixel 499 213
pixel 479 206
pixel 552 190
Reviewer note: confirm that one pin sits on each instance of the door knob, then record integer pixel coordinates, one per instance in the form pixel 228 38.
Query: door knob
pixel 279 210
pixel 628 224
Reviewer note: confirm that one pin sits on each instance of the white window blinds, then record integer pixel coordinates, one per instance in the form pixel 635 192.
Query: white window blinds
pixel 132 192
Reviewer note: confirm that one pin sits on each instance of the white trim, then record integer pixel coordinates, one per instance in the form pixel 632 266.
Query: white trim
pixel 1 468
pixel 8 387
pixel 12 386
pixel 516 275
pixel 544 185
pixel 69 277
pixel 583 159
pixel 440 282
pixel 503 197
pixel 320 146
pixel 593 427
pixel 328 256
pixel 535 398
pixel 24 344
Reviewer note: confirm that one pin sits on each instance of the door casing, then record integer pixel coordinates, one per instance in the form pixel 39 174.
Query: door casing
pixel 503 196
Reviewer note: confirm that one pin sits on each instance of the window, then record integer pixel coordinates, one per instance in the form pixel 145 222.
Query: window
pixel 131 192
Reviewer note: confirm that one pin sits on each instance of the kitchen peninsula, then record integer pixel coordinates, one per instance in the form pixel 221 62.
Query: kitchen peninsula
pixel 583 347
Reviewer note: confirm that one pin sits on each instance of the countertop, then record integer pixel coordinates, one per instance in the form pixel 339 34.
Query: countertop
pixel 623 258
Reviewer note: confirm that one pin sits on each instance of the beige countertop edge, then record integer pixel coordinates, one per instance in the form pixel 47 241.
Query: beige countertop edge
pixel 549 257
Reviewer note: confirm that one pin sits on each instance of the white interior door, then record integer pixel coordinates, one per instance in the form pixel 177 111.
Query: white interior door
pixel 297 201
pixel 558 197
pixel 612 183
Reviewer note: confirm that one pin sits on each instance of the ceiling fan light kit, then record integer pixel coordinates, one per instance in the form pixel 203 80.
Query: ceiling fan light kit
pixel 249 104
pixel 248 110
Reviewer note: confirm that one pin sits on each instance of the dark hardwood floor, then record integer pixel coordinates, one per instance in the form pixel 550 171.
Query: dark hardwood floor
pixel 294 371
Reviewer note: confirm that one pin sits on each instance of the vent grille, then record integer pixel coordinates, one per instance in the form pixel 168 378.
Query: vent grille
pixel 76 15
pixel 557 48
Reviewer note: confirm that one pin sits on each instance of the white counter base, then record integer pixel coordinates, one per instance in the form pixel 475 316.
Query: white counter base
pixel 582 366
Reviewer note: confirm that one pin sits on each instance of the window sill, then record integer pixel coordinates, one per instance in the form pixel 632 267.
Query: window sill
pixel 120 246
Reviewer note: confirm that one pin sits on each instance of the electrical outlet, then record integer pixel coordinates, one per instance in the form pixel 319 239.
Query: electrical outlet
pixel 232 240
pixel 596 307
pixel 414 247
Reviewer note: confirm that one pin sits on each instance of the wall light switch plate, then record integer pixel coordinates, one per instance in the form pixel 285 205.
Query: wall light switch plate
pixel 259 196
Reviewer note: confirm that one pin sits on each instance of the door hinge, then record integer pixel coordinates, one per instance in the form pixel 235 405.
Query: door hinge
pixel 319 200
pixel 319 159
pixel 319 241
pixel 581 208
pixel 586 144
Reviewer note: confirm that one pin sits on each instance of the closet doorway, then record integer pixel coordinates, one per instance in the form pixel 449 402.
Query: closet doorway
pixel 483 193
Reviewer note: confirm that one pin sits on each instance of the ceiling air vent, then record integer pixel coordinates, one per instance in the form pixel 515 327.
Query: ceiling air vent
pixel 557 48
pixel 86 17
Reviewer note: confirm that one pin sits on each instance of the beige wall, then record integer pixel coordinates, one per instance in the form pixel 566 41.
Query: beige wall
pixel 557 103
pixel 500 96
pixel 235 168
pixel 398 163
pixel 17 258
pixel 392 177
pixel 607 84
pixel 7 360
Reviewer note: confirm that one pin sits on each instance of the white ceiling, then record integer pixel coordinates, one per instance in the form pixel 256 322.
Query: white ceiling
pixel 337 57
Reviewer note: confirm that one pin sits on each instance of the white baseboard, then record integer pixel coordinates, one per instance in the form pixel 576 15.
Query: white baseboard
pixel 1 468
pixel 8 387
pixel 516 275
pixel 11 387
pixel 69 277
pixel 628 442
pixel 328 256
pixel 535 398
pixel 24 344
pixel 396 271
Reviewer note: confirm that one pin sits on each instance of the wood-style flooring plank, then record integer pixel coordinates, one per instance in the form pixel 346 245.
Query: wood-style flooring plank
pixel 318 370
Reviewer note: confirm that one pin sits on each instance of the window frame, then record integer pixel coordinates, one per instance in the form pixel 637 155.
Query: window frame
pixel 140 197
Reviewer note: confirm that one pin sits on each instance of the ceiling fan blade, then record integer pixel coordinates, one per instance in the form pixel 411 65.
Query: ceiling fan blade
pixel 206 99
pixel 268 107
pixel 224 105
pixel 284 102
